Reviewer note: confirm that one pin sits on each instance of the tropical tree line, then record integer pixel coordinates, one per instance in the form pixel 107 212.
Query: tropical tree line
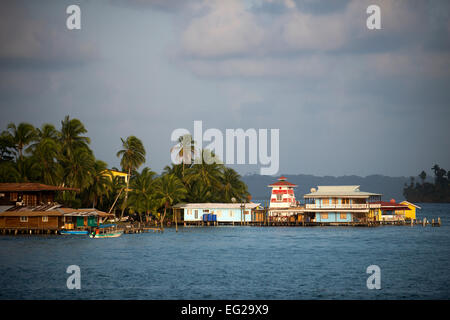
pixel 62 157
pixel 421 190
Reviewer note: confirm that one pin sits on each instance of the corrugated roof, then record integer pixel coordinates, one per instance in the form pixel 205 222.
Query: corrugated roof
pixel 216 205
pixel 31 186
pixel 392 205
pixel 44 207
pixel 339 191
pixel 30 213
pixel 53 210
pixel 409 203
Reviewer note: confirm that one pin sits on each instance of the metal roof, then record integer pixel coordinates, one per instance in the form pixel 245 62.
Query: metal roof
pixel 349 191
pixel 31 186
pixel 54 210
pixel 215 205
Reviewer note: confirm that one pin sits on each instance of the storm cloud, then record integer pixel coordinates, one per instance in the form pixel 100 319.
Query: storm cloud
pixel 347 100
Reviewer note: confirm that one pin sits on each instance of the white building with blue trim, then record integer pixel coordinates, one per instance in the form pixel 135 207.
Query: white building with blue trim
pixel 224 212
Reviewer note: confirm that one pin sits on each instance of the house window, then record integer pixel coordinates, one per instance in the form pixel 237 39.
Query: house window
pixel 279 197
pixel 45 219
pixel 13 196
pixel 324 216
pixel 196 214
pixel 345 201
pixel 326 201
pixel 231 214
pixel 23 219
pixel 219 213
pixel 206 211
pixel 30 200
pixel 343 216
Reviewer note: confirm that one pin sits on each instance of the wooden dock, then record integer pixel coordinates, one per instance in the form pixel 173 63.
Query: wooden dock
pixel 145 228
pixel 424 222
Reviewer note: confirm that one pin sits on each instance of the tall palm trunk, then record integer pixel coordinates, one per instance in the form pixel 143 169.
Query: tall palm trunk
pixel 162 219
pixel 126 194
pixel 176 222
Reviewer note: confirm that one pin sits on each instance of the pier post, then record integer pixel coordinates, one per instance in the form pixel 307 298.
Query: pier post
pixel 424 222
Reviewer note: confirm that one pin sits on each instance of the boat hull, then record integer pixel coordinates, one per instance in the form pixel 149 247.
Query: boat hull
pixel 74 232
pixel 106 235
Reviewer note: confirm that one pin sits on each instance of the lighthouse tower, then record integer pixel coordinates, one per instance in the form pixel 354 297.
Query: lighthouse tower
pixel 282 194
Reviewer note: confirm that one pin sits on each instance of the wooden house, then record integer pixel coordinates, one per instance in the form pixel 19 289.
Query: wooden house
pixel 28 194
pixel 32 207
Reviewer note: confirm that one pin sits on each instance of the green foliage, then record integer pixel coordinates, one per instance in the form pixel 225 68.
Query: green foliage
pixel 439 191
pixel 63 157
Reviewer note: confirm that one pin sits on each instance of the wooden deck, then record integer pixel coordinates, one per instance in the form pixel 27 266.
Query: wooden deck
pixel 424 222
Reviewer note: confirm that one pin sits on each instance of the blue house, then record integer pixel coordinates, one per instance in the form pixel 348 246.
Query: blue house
pixel 225 212
pixel 340 204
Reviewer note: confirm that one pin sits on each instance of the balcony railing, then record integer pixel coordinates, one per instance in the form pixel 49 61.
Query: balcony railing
pixel 343 206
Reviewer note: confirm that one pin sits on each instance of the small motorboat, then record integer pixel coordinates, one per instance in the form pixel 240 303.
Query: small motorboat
pixel 110 234
pixel 74 232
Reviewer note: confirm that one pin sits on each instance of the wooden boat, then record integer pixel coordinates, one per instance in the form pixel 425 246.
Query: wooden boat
pixel 74 232
pixel 111 234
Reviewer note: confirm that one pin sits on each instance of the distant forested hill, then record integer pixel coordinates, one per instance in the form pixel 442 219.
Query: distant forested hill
pixel 390 187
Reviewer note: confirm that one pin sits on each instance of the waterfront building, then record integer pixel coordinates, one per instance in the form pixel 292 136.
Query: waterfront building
pixel 411 214
pixel 391 211
pixel 32 206
pixel 51 218
pixel 28 194
pixel 341 204
pixel 283 205
pixel 224 212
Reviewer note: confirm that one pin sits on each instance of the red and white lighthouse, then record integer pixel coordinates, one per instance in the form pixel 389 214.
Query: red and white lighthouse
pixel 282 194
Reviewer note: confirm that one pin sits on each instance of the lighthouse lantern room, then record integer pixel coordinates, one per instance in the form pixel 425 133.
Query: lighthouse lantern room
pixel 282 194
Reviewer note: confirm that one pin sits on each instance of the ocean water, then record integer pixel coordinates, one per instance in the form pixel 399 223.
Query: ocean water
pixel 235 263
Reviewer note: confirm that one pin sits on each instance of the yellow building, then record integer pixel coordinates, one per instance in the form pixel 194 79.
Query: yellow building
pixel 411 213
pixel 116 173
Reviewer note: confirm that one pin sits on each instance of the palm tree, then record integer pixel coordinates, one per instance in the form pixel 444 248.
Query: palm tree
pixel 142 195
pixel 78 169
pixel 423 176
pixel 232 186
pixel 45 152
pixel 100 185
pixel 204 173
pixel 169 190
pixel 115 196
pixel 185 150
pixel 133 156
pixel 25 170
pixel 71 137
pixel 6 146
pixel 199 193
pixel 21 135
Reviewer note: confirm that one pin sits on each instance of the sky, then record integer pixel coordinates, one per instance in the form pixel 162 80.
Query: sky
pixel 346 99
